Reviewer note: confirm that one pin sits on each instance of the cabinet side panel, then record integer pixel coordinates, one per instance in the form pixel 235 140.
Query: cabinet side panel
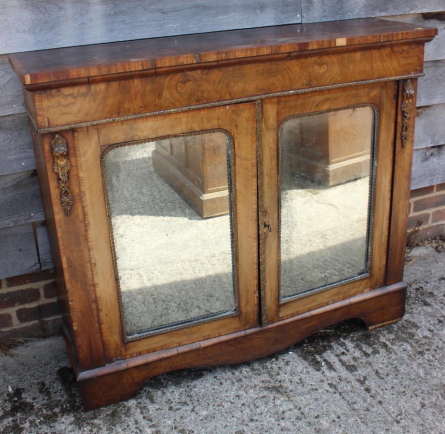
pixel 70 253
pixel 52 232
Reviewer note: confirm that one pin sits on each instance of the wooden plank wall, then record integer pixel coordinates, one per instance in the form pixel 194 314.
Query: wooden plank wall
pixel 36 25
pixel 28 26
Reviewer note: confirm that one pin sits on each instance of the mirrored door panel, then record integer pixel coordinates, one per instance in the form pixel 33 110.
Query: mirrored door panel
pixel 170 204
pixel 326 178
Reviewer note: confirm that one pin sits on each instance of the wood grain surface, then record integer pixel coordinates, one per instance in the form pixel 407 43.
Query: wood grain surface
pixel 185 88
pixel 82 62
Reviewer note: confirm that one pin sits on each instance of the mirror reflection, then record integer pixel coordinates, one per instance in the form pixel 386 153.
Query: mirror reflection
pixel 325 175
pixel 169 209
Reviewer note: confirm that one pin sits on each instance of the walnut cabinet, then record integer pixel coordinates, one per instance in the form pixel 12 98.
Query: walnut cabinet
pixel 215 198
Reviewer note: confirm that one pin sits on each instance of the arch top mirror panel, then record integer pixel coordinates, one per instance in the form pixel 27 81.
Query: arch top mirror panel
pixel 327 163
pixel 170 209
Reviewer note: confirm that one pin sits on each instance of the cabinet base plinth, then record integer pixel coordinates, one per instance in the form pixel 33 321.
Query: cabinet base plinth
pixel 122 380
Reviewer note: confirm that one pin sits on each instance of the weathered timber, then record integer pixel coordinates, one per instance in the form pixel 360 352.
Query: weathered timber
pixel 18 251
pixel 20 199
pixel 11 95
pixel 428 167
pixel 15 145
pixel 432 86
pixel 28 26
pixel 43 246
pixel 430 126
pixel 320 10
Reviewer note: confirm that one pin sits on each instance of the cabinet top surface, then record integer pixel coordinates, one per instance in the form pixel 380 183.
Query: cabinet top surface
pixel 80 63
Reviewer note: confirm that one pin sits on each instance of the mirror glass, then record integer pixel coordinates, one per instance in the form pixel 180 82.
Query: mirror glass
pixel 326 172
pixel 169 204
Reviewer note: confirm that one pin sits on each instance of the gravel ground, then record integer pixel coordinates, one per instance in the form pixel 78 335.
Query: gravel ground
pixel 342 380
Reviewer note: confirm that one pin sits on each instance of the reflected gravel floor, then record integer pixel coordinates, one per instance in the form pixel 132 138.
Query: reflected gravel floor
pixel 342 380
pixel 173 265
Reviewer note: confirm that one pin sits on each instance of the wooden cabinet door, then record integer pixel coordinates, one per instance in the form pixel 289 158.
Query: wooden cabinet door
pixel 325 192
pixel 171 206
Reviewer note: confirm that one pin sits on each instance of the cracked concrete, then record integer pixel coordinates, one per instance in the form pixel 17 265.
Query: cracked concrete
pixel 342 380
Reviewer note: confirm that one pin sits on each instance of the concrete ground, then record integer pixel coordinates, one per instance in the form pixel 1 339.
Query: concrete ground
pixel 342 380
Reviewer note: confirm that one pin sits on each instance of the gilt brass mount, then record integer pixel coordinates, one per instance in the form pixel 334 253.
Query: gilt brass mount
pixel 62 166
pixel 407 104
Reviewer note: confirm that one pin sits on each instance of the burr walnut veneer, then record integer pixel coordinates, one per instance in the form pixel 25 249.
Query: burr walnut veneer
pixel 215 198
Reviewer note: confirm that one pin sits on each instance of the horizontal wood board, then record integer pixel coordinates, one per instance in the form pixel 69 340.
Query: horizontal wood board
pixel 20 199
pixel 428 167
pixel 16 150
pixel 94 60
pixel 432 87
pixel 430 126
pixel 11 91
pixel 38 25
pixel 18 251
pixel 332 10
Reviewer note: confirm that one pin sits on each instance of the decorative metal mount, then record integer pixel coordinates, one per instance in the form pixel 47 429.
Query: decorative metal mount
pixel 62 166
pixel 407 105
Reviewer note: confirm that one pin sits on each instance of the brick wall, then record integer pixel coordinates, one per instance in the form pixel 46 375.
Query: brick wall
pixel 28 306
pixel 428 207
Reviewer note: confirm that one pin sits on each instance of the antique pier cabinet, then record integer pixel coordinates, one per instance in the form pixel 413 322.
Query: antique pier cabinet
pixel 215 198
